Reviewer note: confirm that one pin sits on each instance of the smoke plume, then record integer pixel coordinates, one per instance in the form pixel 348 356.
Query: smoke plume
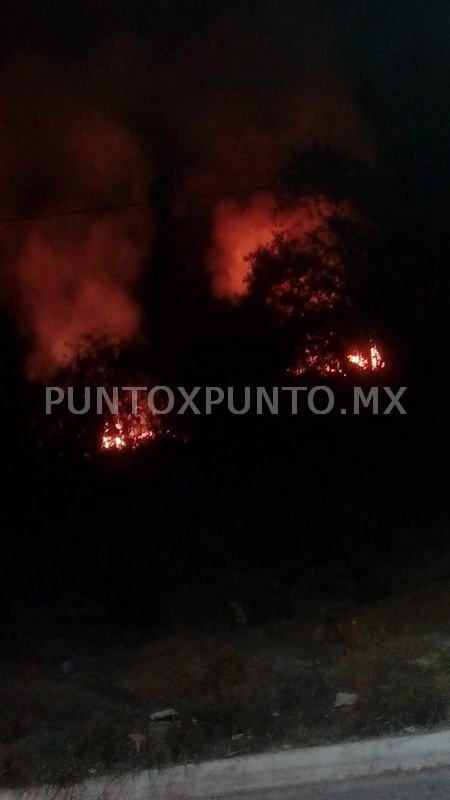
pixel 70 276
pixel 240 228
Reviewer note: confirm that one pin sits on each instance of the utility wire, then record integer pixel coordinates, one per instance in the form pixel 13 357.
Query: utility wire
pixel 74 212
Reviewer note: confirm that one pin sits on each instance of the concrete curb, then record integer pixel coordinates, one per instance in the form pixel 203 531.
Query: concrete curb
pixel 281 770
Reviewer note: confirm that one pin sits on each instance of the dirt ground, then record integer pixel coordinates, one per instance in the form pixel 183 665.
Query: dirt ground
pixel 333 673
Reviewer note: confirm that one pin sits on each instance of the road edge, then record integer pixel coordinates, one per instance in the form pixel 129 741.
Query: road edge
pixel 264 771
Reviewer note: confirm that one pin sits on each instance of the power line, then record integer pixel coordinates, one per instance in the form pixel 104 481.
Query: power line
pixel 74 212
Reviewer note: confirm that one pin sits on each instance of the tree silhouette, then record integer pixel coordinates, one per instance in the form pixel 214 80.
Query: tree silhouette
pixel 301 287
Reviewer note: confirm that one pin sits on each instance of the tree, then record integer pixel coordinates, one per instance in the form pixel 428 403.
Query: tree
pixel 299 287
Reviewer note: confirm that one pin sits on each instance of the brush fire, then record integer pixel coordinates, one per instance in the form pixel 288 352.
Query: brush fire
pixel 128 431
pixel 318 357
pixel 313 284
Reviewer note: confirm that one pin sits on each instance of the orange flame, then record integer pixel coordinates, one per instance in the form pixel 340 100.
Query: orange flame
pixel 372 361
pixel 317 358
pixel 129 431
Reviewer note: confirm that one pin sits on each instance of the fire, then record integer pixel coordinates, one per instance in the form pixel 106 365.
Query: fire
pixel 317 357
pixel 128 431
pixel 371 361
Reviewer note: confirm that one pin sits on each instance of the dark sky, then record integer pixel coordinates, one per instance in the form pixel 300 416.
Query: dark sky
pixel 394 55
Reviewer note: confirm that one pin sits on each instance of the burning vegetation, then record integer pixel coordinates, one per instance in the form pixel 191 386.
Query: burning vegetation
pixel 129 424
pixel 318 357
pixel 128 431
pixel 280 172
pixel 77 275
pixel 290 263
pixel 370 361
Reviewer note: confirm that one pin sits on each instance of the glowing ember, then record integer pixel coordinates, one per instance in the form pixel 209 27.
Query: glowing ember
pixel 314 362
pixel 372 361
pixel 297 297
pixel 317 357
pixel 128 431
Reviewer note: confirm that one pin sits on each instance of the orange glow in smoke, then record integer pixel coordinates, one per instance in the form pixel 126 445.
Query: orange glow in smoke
pixel 240 228
pixel 74 275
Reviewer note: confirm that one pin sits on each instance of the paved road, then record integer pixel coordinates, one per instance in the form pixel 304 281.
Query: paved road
pixel 424 785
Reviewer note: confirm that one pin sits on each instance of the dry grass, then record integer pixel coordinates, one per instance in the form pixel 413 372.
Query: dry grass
pixel 245 690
